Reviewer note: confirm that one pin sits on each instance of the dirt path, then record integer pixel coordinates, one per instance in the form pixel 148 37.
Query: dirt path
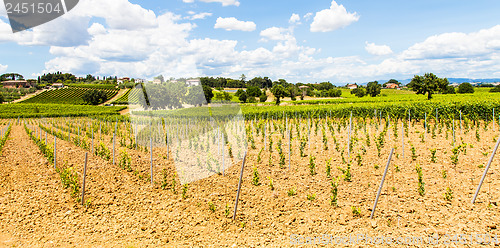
pixel 120 93
pixel 29 96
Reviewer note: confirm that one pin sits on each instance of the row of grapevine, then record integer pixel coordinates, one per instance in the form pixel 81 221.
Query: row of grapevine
pixel 4 134
pixel 131 97
pixel 93 86
pixel 66 96
pixel 55 110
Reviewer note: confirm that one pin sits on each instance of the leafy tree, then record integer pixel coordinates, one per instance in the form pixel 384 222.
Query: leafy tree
pixel 253 91
pixel 325 86
pixel 449 90
pixel 279 92
pixel 208 93
pixel 334 93
pixel 219 96
pixel 11 76
pixel 496 89
pixel 243 97
pixel 163 96
pixel 251 99
pixel 195 96
pixel 239 92
pixel 465 88
pixel 227 96
pixel 359 92
pixel 373 88
pixel 160 77
pixel 263 98
pixel 1 99
pixel 428 84
pixel 94 97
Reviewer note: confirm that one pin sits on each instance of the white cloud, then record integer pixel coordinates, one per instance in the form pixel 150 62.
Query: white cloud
pixel 3 68
pixel 232 23
pixel 198 16
pixel 457 45
pixel 161 44
pixel 294 19
pixel 275 33
pixel 118 14
pixel 331 19
pixel 378 50
pixel 308 16
pixel 223 2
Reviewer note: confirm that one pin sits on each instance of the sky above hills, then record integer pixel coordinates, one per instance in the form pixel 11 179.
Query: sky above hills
pixel 301 41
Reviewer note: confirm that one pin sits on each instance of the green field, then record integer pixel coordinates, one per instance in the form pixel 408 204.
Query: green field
pixel 66 96
pixel 392 103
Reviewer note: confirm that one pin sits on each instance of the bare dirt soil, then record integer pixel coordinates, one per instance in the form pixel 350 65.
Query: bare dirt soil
pixel 125 210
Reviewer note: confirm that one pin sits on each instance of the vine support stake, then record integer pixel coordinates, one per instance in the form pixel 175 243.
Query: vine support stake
pixel 349 138
pixel 425 126
pixel 460 120
pixel 486 171
pixel 92 149
pixel 84 177
pixel 239 186
pixel 151 145
pixel 114 139
pixel 403 139
pixel 289 149
pixel 55 152
pixel 381 183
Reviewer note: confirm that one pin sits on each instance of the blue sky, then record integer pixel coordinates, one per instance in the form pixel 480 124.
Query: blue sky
pixel 300 41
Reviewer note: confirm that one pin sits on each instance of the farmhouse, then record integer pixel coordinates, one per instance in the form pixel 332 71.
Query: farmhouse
pixel 392 86
pixel 123 80
pixel 193 82
pixel 17 84
pixel 57 85
pixel 352 86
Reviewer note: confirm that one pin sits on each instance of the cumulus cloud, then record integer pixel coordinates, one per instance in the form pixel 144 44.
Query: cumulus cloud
pixel 3 68
pixel 457 45
pixel 162 44
pixel 223 2
pixel 378 50
pixel 334 18
pixel 275 33
pixel 198 16
pixel 308 16
pixel 294 19
pixel 232 23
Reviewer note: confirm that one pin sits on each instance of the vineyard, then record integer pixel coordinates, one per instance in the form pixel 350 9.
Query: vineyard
pixel 173 178
pixel 10 95
pixel 54 110
pixel 71 95
pixel 130 97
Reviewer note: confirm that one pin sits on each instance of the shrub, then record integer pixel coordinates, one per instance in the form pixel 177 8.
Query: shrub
pixel 255 179
pixel 465 88
pixel 263 98
pixel 420 189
